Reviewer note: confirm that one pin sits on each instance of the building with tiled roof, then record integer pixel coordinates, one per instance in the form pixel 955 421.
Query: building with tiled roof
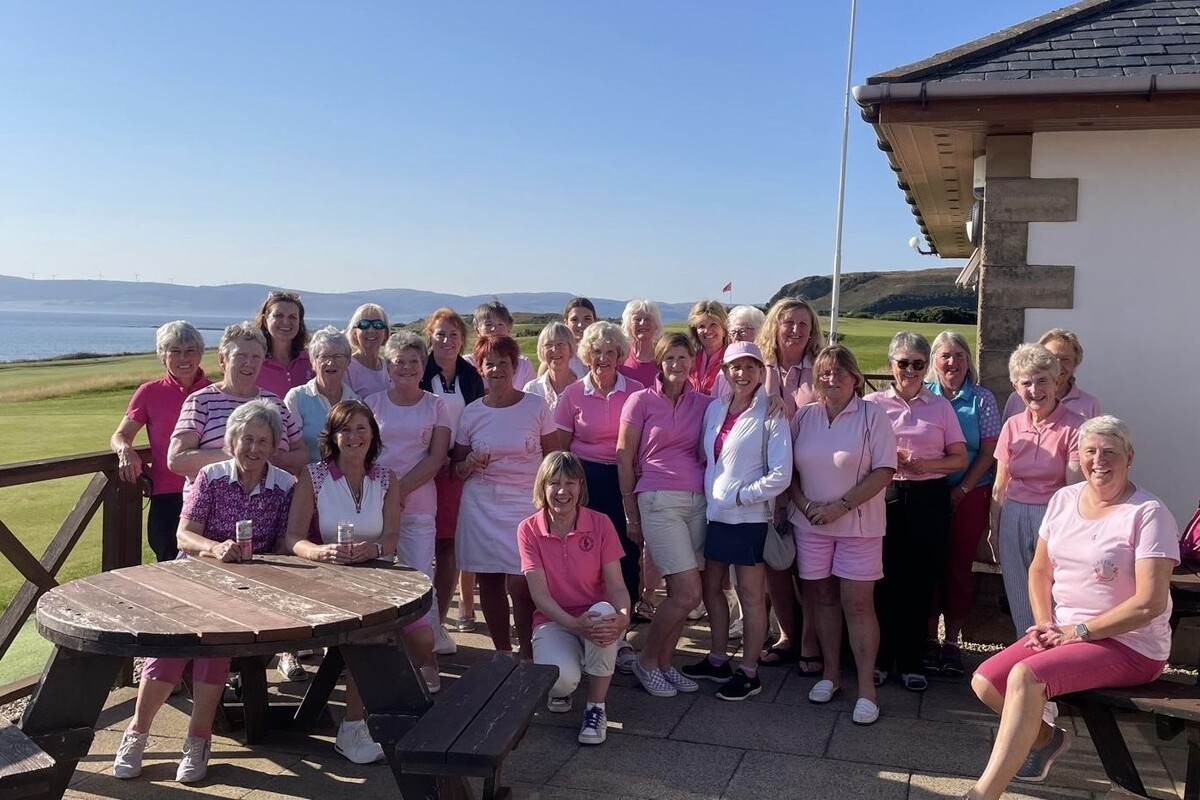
pixel 1062 155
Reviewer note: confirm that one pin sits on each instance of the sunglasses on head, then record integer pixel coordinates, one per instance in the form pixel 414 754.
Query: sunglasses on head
pixel 917 364
pixel 367 324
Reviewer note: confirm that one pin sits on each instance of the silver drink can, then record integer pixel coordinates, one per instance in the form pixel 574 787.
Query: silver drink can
pixel 244 533
pixel 345 538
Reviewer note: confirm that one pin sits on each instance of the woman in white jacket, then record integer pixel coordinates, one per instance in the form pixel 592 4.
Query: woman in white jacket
pixel 748 464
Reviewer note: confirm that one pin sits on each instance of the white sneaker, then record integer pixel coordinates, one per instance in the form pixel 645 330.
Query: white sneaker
pixel 559 705
pixel 433 679
pixel 595 726
pixel 697 613
pixel 735 629
pixel 194 764
pixel 128 763
pixel 355 743
pixel 443 645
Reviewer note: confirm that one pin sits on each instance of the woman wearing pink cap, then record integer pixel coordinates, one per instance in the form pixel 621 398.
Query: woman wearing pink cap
pixel 748 455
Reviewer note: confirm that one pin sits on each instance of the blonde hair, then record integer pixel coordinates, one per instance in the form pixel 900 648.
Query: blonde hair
pixel 599 333
pixel 559 462
pixel 361 313
pixel 708 308
pixel 768 335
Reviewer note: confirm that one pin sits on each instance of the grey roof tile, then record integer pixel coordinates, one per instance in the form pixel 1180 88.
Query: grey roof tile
pixel 1087 39
pixel 1185 69
pixel 1100 72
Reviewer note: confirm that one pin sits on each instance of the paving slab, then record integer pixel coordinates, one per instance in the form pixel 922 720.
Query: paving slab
pixel 913 744
pixel 663 769
pixel 894 700
pixel 799 730
pixel 629 710
pixel 925 786
pixel 786 777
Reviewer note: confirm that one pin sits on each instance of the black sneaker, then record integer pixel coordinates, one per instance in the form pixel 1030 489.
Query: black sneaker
pixel 740 687
pixel 931 659
pixel 703 670
pixel 952 663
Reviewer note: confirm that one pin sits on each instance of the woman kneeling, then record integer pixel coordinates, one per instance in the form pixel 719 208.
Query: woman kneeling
pixel 571 557
pixel 1099 586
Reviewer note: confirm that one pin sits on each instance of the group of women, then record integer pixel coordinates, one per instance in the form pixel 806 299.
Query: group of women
pixel 656 459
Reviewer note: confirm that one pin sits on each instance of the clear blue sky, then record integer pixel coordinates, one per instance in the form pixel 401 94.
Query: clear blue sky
pixel 613 149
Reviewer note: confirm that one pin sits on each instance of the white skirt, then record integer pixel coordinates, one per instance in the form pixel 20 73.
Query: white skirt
pixel 486 538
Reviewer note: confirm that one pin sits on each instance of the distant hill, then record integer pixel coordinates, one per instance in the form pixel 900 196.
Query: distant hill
pixel 242 299
pixel 885 293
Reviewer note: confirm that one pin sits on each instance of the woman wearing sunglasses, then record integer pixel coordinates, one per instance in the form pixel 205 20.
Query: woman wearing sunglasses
pixel 367 331
pixel 929 445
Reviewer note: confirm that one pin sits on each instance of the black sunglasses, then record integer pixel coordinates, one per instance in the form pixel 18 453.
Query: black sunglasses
pixel 918 364
pixel 367 324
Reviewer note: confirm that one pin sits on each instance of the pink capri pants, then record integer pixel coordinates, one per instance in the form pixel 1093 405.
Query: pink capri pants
pixel 1073 667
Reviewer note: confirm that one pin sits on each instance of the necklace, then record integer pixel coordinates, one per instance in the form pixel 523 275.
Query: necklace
pixel 356 496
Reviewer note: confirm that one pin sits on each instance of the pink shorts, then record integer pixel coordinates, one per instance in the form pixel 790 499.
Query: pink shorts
pixel 855 558
pixel 170 670
pixel 1073 667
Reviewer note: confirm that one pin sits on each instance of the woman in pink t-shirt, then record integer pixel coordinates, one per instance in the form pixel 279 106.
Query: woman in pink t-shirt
pixel 1100 584
pixel 498 448
pixel 708 323
pixel 844 453
pixel 287 365
pixel 790 339
pixel 367 332
pixel 642 324
pixel 155 405
pixel 1036 455
pixel 662 489
pixel 570 556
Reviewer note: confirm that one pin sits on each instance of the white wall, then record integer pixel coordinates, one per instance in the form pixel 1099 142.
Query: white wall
pixel 1135 249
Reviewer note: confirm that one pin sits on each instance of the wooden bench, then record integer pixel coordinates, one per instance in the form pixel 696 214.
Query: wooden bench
pixel 25 770
pixel 1175 707
pixel 472 729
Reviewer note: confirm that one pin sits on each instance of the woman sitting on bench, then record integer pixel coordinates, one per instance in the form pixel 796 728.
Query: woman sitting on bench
pixel 571 557
pixel 1099 587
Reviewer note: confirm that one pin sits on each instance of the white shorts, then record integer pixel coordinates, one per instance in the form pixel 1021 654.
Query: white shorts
pixel 673 525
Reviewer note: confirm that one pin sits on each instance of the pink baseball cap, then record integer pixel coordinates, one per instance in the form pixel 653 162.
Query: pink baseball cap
pixel 741 350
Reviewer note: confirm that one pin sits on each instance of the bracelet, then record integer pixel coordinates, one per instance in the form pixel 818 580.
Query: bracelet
pixel 637 523
pixel 846 505
pixel 807 506
pixel 627 494
pixel 378 550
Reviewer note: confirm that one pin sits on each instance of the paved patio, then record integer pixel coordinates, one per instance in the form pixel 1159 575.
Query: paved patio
pixel 774 745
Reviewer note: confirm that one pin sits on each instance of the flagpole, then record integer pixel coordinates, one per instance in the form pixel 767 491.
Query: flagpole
pixel 836 296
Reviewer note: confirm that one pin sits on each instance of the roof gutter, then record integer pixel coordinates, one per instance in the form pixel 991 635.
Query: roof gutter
pixel 870 97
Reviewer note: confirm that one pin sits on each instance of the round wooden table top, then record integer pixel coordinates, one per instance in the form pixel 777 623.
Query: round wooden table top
pixel 199 607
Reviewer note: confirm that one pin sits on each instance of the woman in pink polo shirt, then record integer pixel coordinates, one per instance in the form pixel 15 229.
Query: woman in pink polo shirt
pixel 499 445
pixel 571 558
pixel 708 323
pixel 1036 455
pixel 790 339
pixel 662 488
pixel 156 405
pixel 1101 591
pixel 844 452
pixel 642 324
pixel 929 445
pixel 1065 346
pixel 287 365
pixel 588 416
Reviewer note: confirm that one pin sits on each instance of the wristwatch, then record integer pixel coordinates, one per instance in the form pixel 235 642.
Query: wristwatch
pixel 1081 630
pixel 378 550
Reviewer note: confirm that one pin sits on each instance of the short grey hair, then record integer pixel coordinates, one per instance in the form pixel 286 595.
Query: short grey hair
pixel 326 339
pixel 599 333
pixel 244 331
pixel 1030 359
pixel 554 331
pixel 1107 425
pixel 258 410
pixel 752 315
pixel 907 340
pixel 635 307
pixel 949 338
pixel 179 333
pixel 400 341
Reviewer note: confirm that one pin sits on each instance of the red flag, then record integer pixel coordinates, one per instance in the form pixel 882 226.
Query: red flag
pixel 728 287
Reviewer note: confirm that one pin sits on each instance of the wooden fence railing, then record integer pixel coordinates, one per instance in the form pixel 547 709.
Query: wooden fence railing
pixel 120 505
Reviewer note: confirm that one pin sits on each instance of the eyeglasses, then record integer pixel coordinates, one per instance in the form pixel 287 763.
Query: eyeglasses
pixel 742 333
pixel 330 358
pixel 367 324
pixel 916 364
pixel 833 375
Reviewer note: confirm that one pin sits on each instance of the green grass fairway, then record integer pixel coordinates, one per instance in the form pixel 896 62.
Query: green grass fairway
pixel 61 408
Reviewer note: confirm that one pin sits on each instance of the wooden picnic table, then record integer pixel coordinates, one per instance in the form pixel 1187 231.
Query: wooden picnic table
pixel 197 607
